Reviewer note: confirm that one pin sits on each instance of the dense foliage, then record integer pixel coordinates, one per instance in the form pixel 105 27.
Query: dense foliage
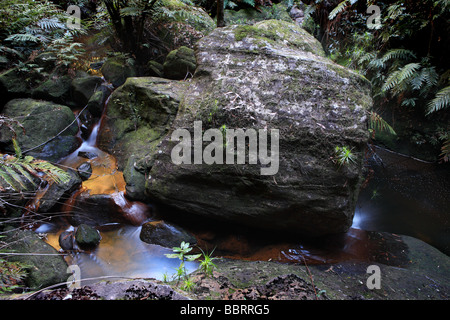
pixel 405 55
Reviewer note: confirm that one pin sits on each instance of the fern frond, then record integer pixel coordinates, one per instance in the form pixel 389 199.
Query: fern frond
pixel 377 123
pixel 441 101
pixel 249 2
pixel 51 24
pixel 16 171
pixel 399 76
pixel 15 176
pixel 53 172
pixel 402 54
pixel 23 37
pixel 445 154
pixel 339 8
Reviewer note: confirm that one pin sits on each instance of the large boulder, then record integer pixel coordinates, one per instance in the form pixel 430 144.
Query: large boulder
pixel 139 114
pixel 42 121
pixel 272 75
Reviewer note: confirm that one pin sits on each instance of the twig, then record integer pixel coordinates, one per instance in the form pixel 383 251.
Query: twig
pixel 310 276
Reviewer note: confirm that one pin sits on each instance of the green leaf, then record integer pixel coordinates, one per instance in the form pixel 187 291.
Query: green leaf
pixel 192 257
pixel 441 101
pixel 338 9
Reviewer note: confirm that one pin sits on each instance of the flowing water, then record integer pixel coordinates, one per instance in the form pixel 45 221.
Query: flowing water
pixel 120 253
pixel 403 196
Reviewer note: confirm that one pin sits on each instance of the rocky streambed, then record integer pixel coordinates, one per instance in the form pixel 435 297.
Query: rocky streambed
pixel 269 75
pixel 415 271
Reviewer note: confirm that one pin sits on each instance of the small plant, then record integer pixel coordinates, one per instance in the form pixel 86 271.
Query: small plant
pixel 344 156
pixel 207 265
pixel 12 274
pixel 188 285
pixel 181 253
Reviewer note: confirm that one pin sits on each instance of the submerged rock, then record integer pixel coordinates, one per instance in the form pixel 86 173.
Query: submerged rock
pixel 84 170
pixel 165 234
pixel 86 236
pixel 66 240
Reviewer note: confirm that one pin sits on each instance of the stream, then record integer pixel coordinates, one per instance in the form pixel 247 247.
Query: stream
pixel 403 196
pixel 120 252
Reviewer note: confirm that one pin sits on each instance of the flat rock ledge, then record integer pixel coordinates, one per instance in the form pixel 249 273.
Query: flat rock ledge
pixel 421 273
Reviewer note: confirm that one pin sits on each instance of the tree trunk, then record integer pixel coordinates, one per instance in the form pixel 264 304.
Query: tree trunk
pixel 220 14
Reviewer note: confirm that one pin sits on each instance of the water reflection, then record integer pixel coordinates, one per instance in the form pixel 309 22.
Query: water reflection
pixel 121 253
pixel 409 197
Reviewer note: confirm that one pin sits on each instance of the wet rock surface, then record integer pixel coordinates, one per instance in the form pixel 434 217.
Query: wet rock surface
pixel 420 274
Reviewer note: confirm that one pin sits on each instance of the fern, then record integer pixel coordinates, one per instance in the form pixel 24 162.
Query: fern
pixel 248 2
pixel 441 101
pixel 17 172
pixel 377 123
pixel 51 24
pixel 402 54
pixel 400 76
pixel 340 7
pixel 445 154
pixel 23 38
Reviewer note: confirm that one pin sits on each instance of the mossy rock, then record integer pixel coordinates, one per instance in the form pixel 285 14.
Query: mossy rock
pixel 271 75
pixel 45 266
pixel 117 70
pixel 270 32
pixel 87 236
pixel 13 85
pixel 179 63
pixel 249 16
pixel 138 115
pixel 183 25
pixel 165 234
pixel 83 88
pixel 56 89
pixel 42 121
pixel 155 68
